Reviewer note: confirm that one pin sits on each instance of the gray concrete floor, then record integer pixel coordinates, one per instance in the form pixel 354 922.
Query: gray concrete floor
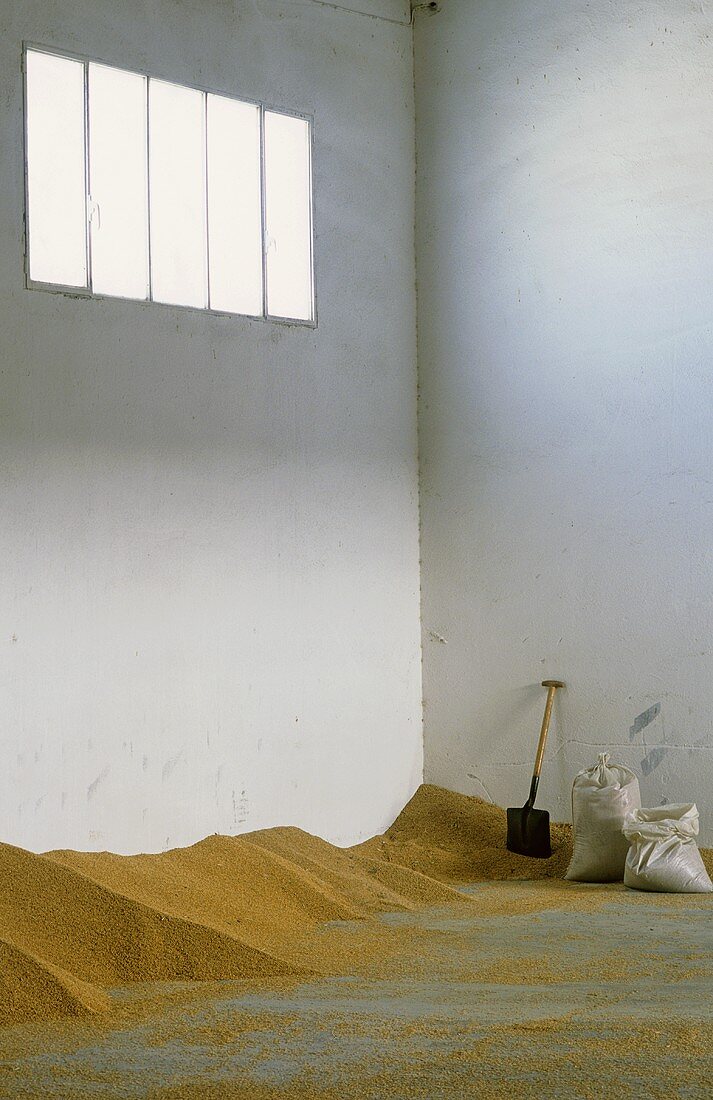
pixel 600 993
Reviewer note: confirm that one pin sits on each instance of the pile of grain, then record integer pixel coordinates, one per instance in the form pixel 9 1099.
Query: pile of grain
pixel 75 924
pixel 456 838
pixel 59 931
pixel 31 989
pixel 264 889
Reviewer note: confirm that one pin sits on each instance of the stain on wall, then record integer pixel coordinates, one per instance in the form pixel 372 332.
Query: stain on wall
pixel 643 720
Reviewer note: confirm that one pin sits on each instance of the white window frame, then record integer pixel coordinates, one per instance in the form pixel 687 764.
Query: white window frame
pixel 87 292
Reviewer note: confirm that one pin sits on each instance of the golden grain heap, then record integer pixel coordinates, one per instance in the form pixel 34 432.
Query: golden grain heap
pixel 75 924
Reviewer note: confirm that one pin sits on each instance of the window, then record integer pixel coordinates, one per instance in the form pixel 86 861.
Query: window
pixel 139 188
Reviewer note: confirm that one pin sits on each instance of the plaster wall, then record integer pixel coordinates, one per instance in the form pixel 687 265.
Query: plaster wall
pixel 564 212
pixel 209 542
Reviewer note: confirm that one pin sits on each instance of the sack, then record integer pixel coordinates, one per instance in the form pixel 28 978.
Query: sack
pixel 602 796
pixel 663 854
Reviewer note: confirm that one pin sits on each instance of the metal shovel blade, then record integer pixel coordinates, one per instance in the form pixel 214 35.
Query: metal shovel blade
pixel 529 832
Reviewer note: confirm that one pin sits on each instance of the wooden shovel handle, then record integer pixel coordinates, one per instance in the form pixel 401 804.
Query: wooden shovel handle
pixel 551 686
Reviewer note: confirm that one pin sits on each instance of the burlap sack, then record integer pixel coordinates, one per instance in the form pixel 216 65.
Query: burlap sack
pixel 663 853
pixel 602 796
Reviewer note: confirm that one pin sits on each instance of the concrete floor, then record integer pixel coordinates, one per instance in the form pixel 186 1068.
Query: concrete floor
pixel 551 990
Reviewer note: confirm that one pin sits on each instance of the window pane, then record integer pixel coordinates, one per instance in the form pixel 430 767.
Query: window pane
pixel 118 183
pixel 55 170
pixel 234 215
pixel 288 204
pixel 177 194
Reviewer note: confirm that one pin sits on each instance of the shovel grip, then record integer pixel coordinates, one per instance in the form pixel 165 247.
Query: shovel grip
pixel 551 686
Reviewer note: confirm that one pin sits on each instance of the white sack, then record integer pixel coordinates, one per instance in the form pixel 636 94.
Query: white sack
pixel 602 796
pixel 663 854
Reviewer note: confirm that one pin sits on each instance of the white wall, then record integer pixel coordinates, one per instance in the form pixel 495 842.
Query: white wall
pixel 565 290
pixel 209 541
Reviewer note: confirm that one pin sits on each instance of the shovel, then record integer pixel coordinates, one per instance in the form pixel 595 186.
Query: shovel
pixel 528 828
